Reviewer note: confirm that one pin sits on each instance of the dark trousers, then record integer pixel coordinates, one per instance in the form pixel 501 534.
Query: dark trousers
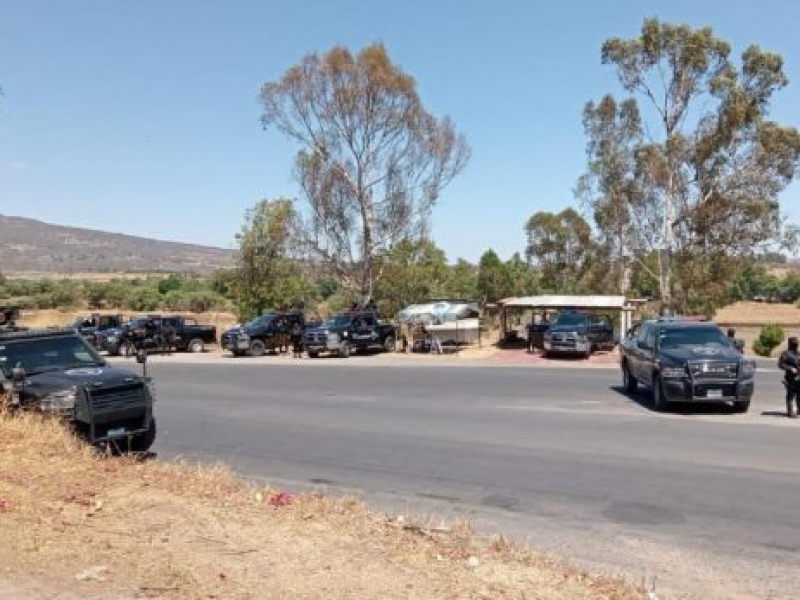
pixel 792 400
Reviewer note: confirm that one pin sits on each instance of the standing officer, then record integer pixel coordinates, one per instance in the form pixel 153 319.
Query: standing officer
pixel 297 340
pixel 789 362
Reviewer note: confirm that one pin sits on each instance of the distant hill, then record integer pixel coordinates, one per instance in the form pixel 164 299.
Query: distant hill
pixel 30 246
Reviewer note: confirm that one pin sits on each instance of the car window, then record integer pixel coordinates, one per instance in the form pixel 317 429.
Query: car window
pixel 650 338
pixel 692 336
pixel 47 354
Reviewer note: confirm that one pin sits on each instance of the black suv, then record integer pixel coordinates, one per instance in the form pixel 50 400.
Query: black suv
pixel 58 372
pixel 579 333
pixel 270 331
pixel 348 332
pixel 686 361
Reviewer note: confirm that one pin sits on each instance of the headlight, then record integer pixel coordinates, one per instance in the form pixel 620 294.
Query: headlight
pixel 673 372
pixel 111 339
pixel 581 338
pixel 548 336
pixel 333 337
pixel 59 402
pixel 151 388
pixel 748 369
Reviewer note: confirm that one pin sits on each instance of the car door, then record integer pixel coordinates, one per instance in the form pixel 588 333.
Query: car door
pixel 637 352
pixel 647 356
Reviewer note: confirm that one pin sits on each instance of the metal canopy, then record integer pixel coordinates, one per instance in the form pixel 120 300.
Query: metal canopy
pixel 595 302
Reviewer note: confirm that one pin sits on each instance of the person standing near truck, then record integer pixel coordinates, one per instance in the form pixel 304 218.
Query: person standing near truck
pixel 789 363
pixel 297 340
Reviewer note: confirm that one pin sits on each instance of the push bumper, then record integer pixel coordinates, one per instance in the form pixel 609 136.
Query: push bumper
pixel 685 390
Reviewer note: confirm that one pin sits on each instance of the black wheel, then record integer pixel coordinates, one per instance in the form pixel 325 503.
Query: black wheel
pixel 196 346
pixel 344 350
pixel 659 402
pixel 257 348
pixel 389 344
pixel 313 354
pixel 742 406
pixel 628 381
pixel 143 441
pixel 238 353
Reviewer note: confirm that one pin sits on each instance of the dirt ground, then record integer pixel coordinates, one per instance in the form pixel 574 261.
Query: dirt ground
pixel 74 524
pixel 759 313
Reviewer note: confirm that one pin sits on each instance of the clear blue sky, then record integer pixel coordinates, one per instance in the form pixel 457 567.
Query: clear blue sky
pixel 141 116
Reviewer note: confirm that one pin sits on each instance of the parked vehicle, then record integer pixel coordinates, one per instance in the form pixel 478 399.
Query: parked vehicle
pixel 8 318
pixel 349 332
pixel 59 373
pixel 269 332
pixel 685 361
pixel 579 333
pixel 157 333
pixel 95 323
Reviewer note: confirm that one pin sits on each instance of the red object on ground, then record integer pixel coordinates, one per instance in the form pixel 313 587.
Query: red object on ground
pixel 281 499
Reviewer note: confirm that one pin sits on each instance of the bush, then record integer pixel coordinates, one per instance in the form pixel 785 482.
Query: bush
pixel 770 338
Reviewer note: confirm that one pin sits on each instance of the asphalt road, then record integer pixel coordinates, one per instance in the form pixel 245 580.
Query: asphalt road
pixel 704 500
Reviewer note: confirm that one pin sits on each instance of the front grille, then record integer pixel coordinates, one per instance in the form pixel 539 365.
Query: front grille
pixel 316 338
pixel 117 400
pixel 712 370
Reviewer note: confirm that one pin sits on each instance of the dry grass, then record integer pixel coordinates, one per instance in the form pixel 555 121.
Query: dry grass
pixel 121 528
pixel 758 313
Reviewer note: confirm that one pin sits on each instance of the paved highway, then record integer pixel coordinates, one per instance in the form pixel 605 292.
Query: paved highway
pixel 706 501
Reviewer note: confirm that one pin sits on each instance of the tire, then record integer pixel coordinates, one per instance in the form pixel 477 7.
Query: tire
pixel 629 382
pixel 389 344
pixel 124 349
pixel 313 354
pixel 196 346
pixel 143 442
pixel 257 348
pixel 742 406
pixel 660 403
pixel 344 350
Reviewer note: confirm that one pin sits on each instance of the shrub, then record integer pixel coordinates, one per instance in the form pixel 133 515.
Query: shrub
pixel 770 338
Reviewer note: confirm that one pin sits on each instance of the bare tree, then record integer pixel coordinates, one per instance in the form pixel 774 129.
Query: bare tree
pixel 372 161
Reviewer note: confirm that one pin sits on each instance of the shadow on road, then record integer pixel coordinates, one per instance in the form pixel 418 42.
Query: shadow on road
pixel 645 400
pixel 774 413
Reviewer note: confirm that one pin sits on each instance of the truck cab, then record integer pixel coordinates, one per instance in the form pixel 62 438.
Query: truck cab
pixel 579 333
pixel 268 332
pixel 348 332
pixel 57 372
pixel 686 361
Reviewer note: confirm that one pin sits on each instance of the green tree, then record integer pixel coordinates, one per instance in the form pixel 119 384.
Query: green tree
pixel 413 271
pixel 267 275
pixel 462 281
pixel 372 160
pixel 710 173
pixel 494 282
pixel 561 247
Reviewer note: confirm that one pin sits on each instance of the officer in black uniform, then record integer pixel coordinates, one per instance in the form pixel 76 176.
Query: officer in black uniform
pixel 789 363
pixel 297 340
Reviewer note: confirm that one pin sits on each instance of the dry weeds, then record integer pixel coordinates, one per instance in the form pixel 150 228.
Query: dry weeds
pixel 72 521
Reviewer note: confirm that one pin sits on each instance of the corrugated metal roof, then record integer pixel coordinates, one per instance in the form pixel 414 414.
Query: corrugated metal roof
pixel 610 302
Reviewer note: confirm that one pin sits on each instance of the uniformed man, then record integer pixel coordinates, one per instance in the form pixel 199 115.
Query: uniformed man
pixel 789 363
pixel 297 340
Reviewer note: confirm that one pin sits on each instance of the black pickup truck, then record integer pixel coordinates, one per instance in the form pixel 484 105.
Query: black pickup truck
pixel 686 361
pixel 579 333
pixel 271 331
pixel 157 333
pixel 91 325
pixel 349 332
pixel 57 372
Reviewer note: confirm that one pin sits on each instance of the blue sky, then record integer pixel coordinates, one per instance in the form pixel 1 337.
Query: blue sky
pixel 142 117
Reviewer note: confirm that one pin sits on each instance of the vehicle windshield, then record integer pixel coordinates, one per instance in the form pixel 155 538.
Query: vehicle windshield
pixel 138 323
pixel 47 354
pixel 692 336
pixel 343 320
pixel 259 322
pixel 570 319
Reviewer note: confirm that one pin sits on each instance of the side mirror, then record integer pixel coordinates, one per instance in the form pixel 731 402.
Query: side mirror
pixel 739 345
pixel 18 375
pixel 141 356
